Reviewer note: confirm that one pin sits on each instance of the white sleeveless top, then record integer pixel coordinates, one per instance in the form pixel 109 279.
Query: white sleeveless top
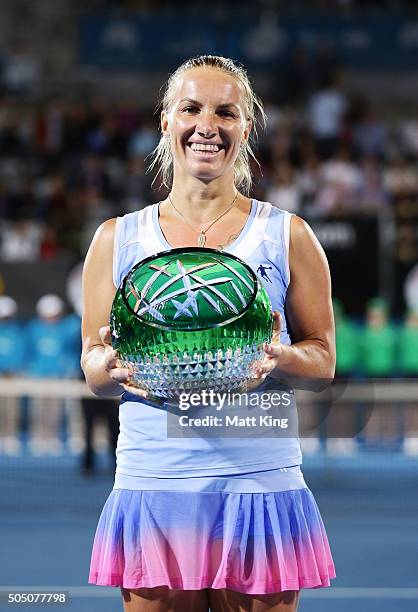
pixel 144 449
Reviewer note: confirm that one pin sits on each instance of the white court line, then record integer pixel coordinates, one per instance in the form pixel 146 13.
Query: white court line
pixel 326 593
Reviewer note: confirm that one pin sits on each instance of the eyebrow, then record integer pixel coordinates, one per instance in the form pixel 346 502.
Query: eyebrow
pixel 196 103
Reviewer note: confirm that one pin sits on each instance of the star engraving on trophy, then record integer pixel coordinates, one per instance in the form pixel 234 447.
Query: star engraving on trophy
pixel 192 285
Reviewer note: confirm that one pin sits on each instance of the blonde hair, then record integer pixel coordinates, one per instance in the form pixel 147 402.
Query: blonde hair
pixel 162 156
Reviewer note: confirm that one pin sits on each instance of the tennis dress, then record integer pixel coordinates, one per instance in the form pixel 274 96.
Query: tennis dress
pixel 209 512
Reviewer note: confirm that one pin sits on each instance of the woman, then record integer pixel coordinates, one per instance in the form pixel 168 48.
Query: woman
pixel 191 524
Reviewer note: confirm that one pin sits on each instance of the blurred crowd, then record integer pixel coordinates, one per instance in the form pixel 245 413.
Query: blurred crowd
pixel 48 347
pixel 377 346
pixel 43 348
pixel 66 165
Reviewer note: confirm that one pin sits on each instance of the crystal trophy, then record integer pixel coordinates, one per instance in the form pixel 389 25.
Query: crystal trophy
pixel 190 319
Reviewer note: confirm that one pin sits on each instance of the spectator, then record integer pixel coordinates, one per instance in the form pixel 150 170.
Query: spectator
pixel 371 192
pixel 75 130
pixel 347 342
pixel 94 410
pixel 378 341
pixel 325 65
pixel 129 117
pixel 21 241
pixel 137 185
pixel 50 247
pixel 340 182
pixel 21 70
pixel 409 137
pixel 309 178
pixel 49 127
pixel 400 177
pixel 12 363
pixel 108 140
pixel 369 134
pixel 284 191
pixel 408 345
pixel 341 169
pixel 144 140
pixel 49 357
pixel 298 76
pixel 94 175
pixel 274 117
pixel 325 113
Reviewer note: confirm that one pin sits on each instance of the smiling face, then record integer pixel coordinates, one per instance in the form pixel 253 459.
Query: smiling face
pixel 207 123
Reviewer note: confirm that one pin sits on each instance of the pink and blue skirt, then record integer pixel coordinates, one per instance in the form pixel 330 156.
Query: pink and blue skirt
pixel 256 543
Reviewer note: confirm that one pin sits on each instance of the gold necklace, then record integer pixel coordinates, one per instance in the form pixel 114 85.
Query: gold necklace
pixel 201 239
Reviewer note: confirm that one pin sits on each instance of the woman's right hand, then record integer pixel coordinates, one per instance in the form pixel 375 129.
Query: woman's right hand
pixel 120 375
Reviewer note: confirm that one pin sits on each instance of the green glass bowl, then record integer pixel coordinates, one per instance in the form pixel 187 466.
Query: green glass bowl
pixel 190 319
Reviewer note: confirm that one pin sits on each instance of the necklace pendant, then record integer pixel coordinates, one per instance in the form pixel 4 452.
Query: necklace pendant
pixel 201 239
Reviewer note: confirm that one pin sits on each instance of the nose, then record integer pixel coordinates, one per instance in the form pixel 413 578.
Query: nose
pixel 206 132
pixel 206 126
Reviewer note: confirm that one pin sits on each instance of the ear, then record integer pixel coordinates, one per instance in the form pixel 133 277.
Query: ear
pixel 247 130
pixel 164 124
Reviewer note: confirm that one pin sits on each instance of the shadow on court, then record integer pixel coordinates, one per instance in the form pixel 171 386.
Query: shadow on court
pixel 48 515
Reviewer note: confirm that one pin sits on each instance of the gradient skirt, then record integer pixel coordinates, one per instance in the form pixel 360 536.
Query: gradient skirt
pixel 254 543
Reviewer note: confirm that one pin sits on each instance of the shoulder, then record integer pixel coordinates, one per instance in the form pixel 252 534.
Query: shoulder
pixel 101 247
pixel 106 230
pixel 301 234
pixel 104 235
pixel 305 249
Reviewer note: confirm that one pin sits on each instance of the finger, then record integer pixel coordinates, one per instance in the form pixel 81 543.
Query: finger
pixel 120 375
pixel 135 390
pixel 111 359
pixel 253 383
pixel 272 349
pixel 262 368
pixel 126 366
pixel 113 362
pixel 255 367
pixel 105 335
pixel 277 323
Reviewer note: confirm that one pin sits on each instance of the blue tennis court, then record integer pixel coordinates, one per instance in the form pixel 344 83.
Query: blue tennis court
pixel 369 503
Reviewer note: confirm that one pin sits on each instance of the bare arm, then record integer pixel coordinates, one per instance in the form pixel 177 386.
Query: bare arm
pixel 308 308
pixel 98 360
pixel 311 356
pixel 98 294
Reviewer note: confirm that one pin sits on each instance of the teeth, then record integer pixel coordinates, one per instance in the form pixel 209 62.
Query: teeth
pixel 195 146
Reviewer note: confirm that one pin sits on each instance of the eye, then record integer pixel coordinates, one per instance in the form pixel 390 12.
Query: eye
pixel 226 113
pixel 189 110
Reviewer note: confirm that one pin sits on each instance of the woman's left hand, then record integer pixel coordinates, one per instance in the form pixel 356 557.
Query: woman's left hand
pixel 273 352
